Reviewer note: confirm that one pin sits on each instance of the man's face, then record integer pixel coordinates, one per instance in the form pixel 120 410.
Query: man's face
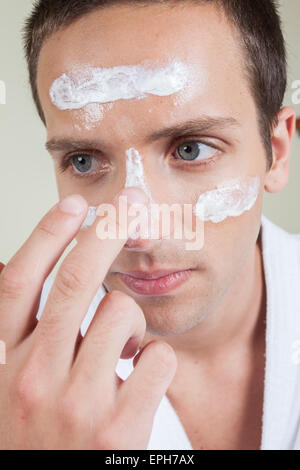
pixel 202 38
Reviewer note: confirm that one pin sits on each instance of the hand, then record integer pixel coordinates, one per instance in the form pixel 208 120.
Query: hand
pixel 57 390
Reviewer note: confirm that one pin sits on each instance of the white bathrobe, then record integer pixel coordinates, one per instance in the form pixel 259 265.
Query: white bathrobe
pixel 281 415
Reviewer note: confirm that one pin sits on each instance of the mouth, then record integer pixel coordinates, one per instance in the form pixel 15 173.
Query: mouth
pixel 156 282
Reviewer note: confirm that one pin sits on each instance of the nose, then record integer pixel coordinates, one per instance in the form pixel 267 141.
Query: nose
pixel 142 239
pixel 140 244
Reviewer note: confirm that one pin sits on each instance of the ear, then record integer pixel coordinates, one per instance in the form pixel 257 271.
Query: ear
pixel 277 177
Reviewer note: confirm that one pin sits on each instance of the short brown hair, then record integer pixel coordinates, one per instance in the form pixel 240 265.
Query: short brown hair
pixel 257 22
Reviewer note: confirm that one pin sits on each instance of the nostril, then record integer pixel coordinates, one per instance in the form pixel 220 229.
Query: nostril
pixel 140 244
pixel 130 243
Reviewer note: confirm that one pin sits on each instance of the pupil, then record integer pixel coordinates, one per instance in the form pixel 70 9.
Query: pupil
pixel 82 163
pixel 189 151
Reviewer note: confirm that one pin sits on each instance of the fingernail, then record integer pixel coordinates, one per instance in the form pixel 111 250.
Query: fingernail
pixel 135 195
pixel 73 205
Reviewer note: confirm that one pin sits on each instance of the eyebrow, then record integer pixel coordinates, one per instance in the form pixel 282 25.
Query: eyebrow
pixel 190 127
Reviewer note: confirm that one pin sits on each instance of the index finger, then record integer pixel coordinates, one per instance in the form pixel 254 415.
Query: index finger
pixel 77 281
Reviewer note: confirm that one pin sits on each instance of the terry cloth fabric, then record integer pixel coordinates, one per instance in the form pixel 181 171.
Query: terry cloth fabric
pixel 281 408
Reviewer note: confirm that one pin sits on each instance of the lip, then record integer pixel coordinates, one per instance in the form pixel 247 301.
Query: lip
pixel 156 282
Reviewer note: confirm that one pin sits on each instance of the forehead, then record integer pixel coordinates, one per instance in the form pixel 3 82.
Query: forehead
pixel 200 36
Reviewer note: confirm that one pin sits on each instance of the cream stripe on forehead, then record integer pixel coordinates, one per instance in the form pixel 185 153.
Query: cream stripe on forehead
pixel 104 85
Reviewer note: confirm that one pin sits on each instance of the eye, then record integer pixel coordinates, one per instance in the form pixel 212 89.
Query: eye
pixel 194 151
pixel 82 163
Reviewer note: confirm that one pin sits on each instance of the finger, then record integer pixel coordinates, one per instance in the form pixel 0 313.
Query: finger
pixel 2 266
pixel 118 324
pixel 22 279
pixel 141 394
pixel 77 282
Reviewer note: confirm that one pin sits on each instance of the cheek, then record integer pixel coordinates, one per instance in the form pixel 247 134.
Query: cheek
pixel 228 200
pixel 64 185
pixel 228 245
pixel 95 191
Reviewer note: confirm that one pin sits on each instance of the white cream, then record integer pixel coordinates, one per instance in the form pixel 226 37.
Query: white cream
pixel 103 85
pixel 90 218
pixel 88 117
pixel 230 199
pixel 135 176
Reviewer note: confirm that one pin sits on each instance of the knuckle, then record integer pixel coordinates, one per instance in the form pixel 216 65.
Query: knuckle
pixel 28 389
pixel 163 355
pixel 116 297
pixel 71 278
pixel 121 312
pixel 46 228
pixel 122 303
pixel 12 282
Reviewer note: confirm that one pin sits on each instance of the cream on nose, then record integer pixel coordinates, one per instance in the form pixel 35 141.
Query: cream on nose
pixel 135 177
pixel 135 174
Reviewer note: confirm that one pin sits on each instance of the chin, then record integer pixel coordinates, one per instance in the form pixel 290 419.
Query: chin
pixel 170 321
pixel 167 315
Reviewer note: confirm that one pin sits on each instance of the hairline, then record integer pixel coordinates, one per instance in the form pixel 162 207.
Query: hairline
pixel 246 62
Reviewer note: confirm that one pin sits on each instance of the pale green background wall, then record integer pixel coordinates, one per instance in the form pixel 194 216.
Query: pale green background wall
pixel 27 184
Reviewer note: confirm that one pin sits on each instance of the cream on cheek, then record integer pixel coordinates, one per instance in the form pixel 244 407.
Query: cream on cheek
pixel 230 199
